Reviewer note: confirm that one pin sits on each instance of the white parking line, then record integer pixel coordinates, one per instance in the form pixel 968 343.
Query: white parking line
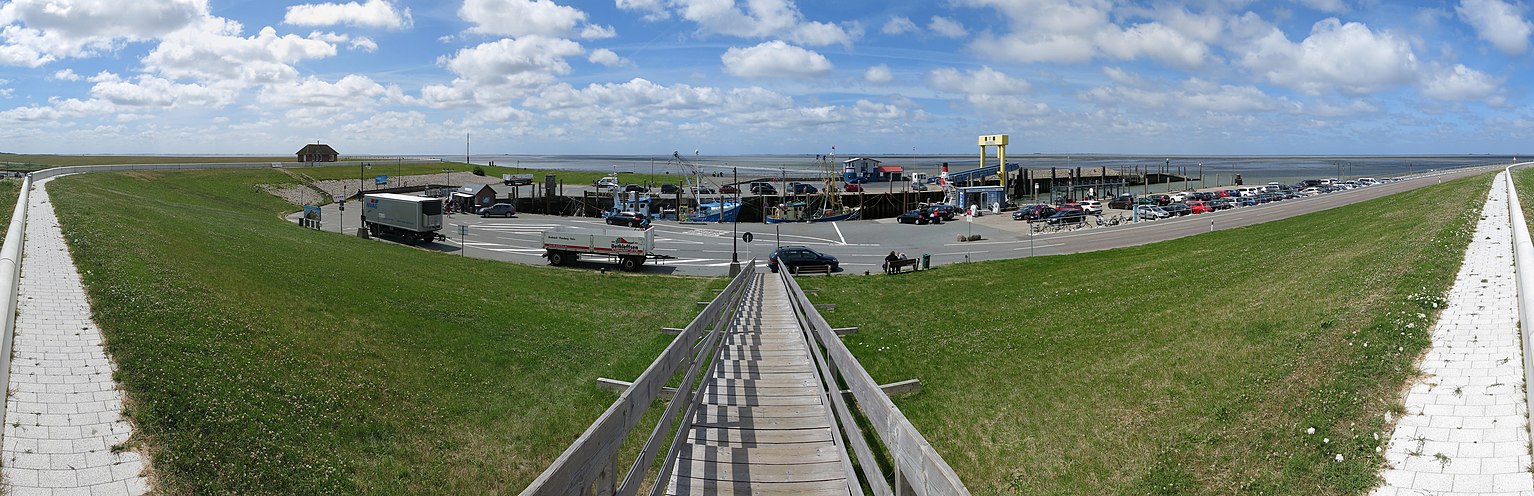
pixel 839 232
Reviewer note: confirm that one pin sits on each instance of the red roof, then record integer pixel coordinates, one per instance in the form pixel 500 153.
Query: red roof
pixel 889 168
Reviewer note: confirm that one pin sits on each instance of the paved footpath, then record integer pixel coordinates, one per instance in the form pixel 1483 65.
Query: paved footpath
pixel 1464 427
pixel 64 413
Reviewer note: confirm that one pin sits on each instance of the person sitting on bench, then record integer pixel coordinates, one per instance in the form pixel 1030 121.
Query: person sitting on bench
pixel 889 262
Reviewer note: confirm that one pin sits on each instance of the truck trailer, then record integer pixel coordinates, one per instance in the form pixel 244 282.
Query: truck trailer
pixel 516 179
pixel 414 219
pixel 629 247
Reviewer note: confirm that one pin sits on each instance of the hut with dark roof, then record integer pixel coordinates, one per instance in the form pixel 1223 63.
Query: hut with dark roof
pixel 317 152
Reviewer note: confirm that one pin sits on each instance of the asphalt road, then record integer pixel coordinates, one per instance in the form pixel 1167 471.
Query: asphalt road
pixel 861 245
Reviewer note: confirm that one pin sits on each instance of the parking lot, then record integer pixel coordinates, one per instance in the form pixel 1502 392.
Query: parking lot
pixel 706 249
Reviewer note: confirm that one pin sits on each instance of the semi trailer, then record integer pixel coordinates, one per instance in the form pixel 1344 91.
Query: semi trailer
pixel 628 247
pixel 413 219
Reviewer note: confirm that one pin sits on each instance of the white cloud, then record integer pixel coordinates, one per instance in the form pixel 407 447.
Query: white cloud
pixel 41 31
pixel 365 44
pixel 607 57
pixel 1463 83
pixel 1497 22
pixel 898 25
pixel 753 20
pixel 1043 30
pixel 214 51
pixel 66 75
pixel 351 92
pixel 509 60
pixel 775 59
pixel 983 81
pixel 946 27
pixel 155 92
pixel 372 14
pixel 391 123
pixel 1350 57
pixel 1156 41
pixel 878 74
pixel 518 18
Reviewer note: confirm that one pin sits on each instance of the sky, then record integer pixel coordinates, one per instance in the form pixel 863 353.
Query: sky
pixel 730 77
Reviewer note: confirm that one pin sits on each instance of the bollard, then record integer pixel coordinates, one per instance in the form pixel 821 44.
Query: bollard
pixel 926 261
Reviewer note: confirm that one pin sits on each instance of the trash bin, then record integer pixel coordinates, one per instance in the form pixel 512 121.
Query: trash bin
pixel 926 261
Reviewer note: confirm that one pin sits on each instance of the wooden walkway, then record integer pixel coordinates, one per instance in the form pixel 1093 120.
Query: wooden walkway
pixel 763 425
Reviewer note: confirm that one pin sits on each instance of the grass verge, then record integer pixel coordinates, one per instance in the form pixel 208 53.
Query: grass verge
pixel 267 359
pixel 1192 366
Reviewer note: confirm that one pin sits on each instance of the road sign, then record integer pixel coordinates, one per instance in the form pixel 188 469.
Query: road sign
pixel 380 180
pixel 747 237
pixel 463 229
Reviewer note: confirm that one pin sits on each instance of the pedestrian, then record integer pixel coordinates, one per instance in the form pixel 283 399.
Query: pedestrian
pixel 889 262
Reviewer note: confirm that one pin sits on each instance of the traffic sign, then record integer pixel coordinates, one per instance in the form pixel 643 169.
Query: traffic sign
pixel 747 237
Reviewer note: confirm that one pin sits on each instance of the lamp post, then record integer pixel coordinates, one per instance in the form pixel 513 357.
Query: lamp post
pixel 734 226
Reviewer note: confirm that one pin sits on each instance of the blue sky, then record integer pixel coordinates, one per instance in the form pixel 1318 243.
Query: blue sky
pixel 765 76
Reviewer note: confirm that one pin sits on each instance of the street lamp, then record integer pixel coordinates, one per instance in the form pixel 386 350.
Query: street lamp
pixel 734 226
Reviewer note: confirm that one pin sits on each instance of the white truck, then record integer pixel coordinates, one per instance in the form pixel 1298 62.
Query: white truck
pixel 629 247
pixel 516 179
pixel 606 182
pixel 414 219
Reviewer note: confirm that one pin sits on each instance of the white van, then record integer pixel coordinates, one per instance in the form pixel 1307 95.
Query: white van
pixel 1249 191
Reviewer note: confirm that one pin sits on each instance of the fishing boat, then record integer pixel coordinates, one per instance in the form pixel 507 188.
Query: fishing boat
pixel 802 211
pixel 824 207
pixel 718 211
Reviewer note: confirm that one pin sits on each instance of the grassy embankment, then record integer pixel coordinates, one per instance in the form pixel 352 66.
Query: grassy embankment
pixel 29 163
pixel 264 358
pixel 1192 366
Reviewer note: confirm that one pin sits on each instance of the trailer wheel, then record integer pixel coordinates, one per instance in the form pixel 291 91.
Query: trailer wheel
pixel 558 258
pixel 631 264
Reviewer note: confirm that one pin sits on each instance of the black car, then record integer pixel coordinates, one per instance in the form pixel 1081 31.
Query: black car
pixel 669 189
pixel 498 210
pixel 1067 216
pixel 803 188
pixel 629 219
pixel 795 257
pixel 948 211
pixel 636 188
pixel 763 189
pixel 1177 209
pixel 919 216
pixel 1032 213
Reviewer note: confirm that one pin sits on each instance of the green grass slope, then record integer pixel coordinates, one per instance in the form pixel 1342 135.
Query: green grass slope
pixel 1192 366
pixel 262 358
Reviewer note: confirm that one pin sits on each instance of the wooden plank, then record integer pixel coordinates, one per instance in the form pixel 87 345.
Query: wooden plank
pixel 774 381
pixel 759 375
pixel 790 454
pixel 691 486
pixel 749 438
pixel 753 473
pixel 755 400
pixel 765 391
pixel 763 411
pixel 762 423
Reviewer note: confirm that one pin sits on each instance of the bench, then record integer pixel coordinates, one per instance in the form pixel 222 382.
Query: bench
pixel 894 266
pixel 811 269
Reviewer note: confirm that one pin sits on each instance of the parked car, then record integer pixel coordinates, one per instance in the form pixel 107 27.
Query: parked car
pixel 628 219
pixel 1199 207
pixel 853 188
pixel 498 210
pixel 763 189
pixel 1122 202
pixel 918 217
pixel 794 257
pixel 669 189
pixel 947 211
pixel 1311 191
pixel 1150 212
pixel 635 188
pixel 728 190
pixel 802 188
pixel 1032 213
pixel 1161 199
pixel 1092 207
pixel 1222 204
pixel 701 190
pixel 1069 216
pixel 1177 209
